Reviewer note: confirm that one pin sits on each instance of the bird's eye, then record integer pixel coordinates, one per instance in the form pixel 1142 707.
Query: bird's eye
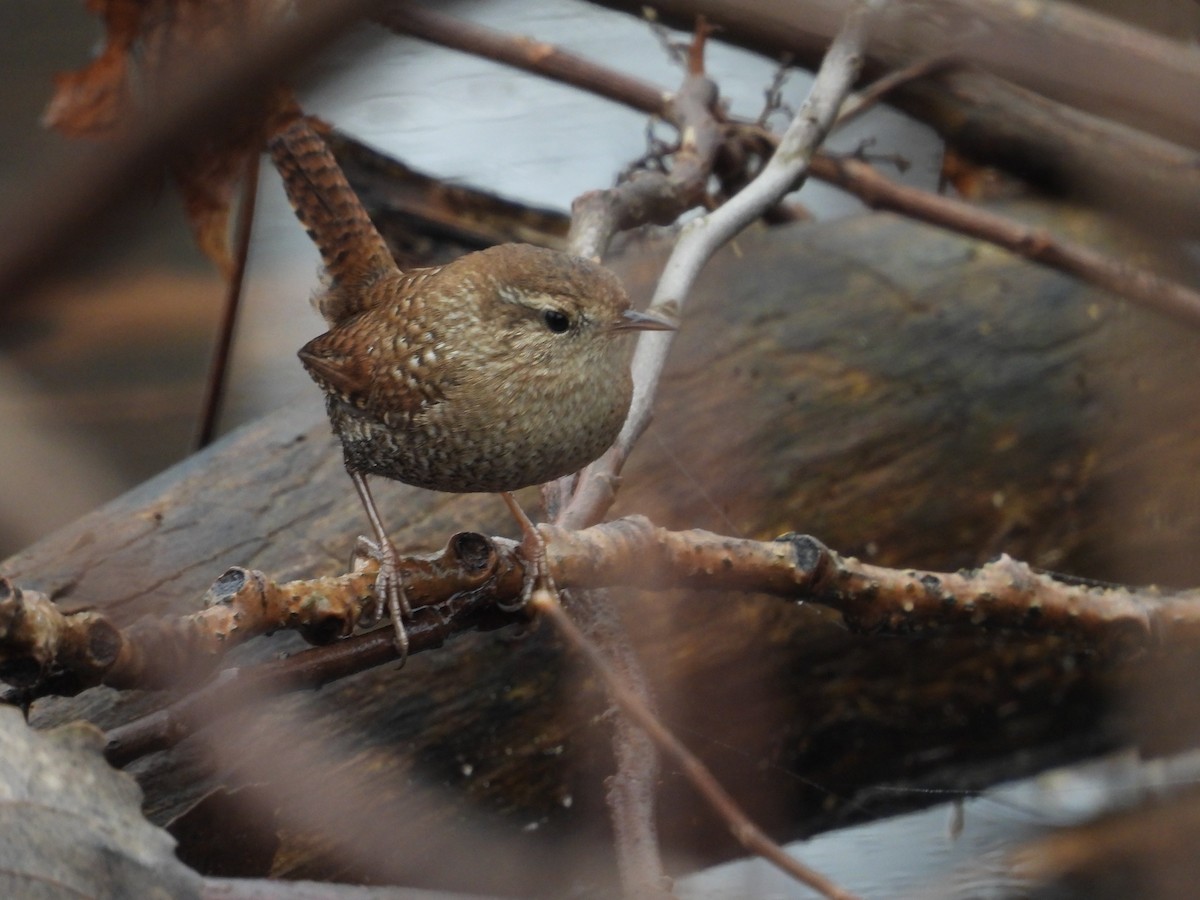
pixel 556 321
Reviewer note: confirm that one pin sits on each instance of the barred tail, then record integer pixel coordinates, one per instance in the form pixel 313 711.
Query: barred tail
pixel 351 248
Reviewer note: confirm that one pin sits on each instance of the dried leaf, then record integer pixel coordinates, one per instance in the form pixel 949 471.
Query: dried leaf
pixel 91 101
pixel 73 826
pixel 209 178
pixel 143 40
pixel 208 183
pixel 970 180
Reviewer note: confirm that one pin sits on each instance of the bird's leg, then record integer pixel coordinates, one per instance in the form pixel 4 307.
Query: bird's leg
pixel 389 584
pixel 533 548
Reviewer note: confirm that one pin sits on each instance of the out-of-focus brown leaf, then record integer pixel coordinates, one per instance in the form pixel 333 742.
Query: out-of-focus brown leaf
pixel 73 826
pixel 209 178
pixel 208 183
pixel 142 51
pixel 91 100
pixel 973 181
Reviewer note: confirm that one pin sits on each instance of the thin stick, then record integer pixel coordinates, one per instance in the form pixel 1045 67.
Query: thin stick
pixel 862 101
pixel 747 833
pixel 1134 283
pixel 702 237
pixel 519 52
pixel 214 388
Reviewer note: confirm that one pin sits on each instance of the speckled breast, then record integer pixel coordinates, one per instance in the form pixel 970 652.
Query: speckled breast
pixel 443 452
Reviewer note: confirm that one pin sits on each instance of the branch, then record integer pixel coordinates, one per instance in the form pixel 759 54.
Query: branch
pixel 632 790
pixel 1078 56
pixel 519 52
pixel 218 369
pixel 1004 595
pixel 859 103
pixel 1132 282
pixel 459 588
pixel 36 639
pixel 702 237
pixel 234 688
pixel 743 829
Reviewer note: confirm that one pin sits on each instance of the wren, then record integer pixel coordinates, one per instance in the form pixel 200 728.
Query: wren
pixel 504 368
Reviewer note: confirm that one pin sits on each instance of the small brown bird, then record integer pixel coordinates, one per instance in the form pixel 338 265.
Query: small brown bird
pixel 505 368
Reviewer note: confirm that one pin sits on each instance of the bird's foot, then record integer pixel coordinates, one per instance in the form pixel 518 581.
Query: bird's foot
pixel 389 591
pixel 533 549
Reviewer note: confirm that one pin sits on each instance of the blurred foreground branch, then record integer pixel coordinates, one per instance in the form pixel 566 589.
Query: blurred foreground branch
pixel 193 96
pixel 1071 99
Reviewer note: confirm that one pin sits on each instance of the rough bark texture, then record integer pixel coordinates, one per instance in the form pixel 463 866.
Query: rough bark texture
pixel 904 395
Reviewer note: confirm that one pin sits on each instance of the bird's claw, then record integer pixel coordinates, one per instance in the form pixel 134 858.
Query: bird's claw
pixel 389 591
pixel 533 550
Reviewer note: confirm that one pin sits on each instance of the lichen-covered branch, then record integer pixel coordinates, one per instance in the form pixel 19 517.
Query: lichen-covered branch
pixel 1005 594
pixel 461 585
pixel 36 638
pixel 37 641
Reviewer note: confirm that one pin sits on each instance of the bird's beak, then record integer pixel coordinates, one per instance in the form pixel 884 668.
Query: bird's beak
pixel 633 320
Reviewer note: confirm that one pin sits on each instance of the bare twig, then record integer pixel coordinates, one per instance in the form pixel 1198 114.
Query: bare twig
pixel 519 52
pixel 649 197
pixel 701 32
pixel 773 95
pixel 632 789
pixel 218 370
pixel 747 833
pixel 862 101
pixel 703 236
pixel 1134 283
pixel 234 688
pixel 676 51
